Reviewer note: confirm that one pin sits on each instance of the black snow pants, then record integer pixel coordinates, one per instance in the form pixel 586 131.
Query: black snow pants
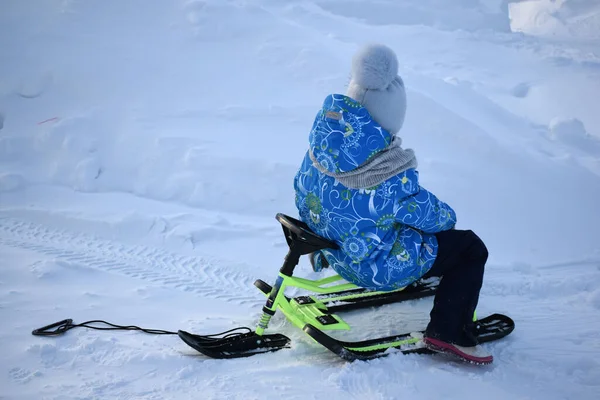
pixel 460 263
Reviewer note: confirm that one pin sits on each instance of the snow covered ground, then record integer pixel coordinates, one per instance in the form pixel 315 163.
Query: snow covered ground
pixel 145 148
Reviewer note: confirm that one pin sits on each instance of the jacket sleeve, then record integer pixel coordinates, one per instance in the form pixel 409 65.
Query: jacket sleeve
pixel 422 210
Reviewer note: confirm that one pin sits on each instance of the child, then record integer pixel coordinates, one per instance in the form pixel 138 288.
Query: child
pixel 358 187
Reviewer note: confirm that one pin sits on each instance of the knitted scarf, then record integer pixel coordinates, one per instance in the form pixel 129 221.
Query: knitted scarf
pixel 385 164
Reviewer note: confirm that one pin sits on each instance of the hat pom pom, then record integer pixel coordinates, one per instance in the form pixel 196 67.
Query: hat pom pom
pixel 374 67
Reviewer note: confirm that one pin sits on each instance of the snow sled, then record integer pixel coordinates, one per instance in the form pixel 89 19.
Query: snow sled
pixel 317 312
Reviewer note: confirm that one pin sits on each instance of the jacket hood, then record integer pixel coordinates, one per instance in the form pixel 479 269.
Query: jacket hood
pixel 344 135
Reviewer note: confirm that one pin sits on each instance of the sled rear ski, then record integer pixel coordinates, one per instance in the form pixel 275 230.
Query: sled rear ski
pixel 317 313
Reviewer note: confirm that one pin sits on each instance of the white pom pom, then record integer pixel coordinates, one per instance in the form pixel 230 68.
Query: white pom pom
pixel 374 67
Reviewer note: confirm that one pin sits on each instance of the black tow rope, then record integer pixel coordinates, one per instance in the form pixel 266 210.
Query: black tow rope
pixel 60 327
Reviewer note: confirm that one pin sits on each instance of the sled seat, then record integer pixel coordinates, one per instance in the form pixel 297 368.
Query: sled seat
pixel 301 238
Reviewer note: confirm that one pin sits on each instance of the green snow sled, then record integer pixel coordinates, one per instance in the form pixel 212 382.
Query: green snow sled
pixel 317 312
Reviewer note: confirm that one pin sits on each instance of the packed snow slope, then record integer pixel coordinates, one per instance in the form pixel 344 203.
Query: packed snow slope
pixel 146 146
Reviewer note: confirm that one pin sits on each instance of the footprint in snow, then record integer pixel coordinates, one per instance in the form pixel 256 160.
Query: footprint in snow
pixel 521 90
pixel 20 375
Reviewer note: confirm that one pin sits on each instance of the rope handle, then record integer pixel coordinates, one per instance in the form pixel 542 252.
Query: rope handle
pixel 60 327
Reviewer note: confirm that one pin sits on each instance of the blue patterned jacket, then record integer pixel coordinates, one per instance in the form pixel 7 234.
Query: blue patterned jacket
pixel 386 232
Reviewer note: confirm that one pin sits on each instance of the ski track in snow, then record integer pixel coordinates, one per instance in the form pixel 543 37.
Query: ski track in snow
pixel 21 375
pixel 155 266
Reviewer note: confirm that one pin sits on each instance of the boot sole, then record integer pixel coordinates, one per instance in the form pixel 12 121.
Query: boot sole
pixel 443 347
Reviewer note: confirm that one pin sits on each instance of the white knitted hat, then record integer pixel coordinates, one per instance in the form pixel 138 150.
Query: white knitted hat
pixel 376 85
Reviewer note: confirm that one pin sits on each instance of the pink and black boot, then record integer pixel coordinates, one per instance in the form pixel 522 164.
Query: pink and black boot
pixel 472 354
